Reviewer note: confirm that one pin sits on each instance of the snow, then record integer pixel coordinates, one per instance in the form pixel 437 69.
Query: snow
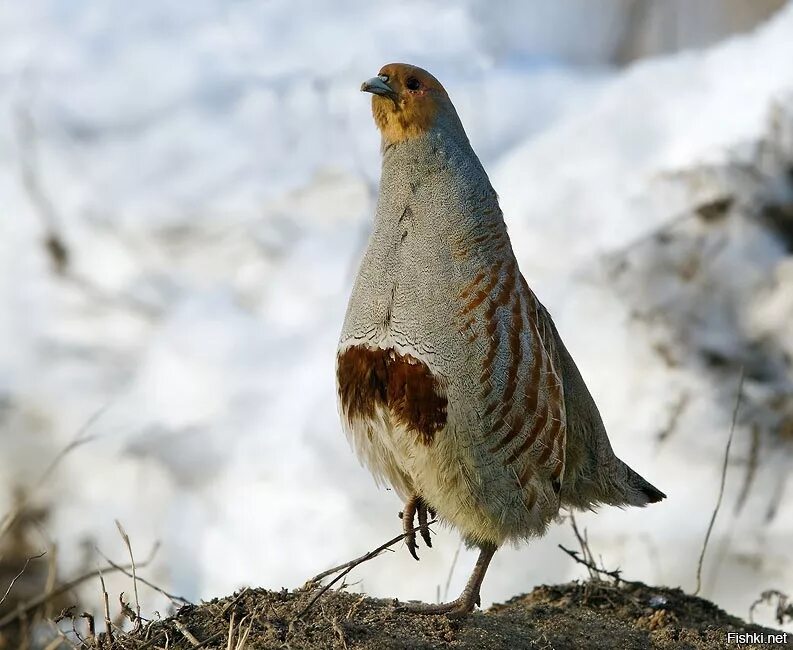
pixel 213 171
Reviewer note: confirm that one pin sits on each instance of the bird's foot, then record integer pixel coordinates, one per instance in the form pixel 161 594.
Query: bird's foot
pixel 457 608
pixel 416 506
pixel 468 599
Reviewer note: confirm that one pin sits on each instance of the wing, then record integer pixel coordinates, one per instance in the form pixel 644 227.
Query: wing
pixel 523 406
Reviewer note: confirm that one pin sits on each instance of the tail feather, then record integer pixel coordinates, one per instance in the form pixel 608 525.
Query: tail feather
pixel 593 474
pixel 639 491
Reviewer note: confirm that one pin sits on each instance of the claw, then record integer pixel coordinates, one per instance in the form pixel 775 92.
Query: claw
pixel 407 525
pixel 416 506
pixel 423 528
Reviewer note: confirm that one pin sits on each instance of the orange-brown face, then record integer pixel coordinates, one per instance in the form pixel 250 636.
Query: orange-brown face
pixel 406 100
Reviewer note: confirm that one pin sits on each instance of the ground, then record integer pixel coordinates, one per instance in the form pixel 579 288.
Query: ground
pixel 593 615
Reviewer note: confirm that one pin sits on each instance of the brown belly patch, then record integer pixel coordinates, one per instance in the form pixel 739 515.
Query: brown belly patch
pixel 369 377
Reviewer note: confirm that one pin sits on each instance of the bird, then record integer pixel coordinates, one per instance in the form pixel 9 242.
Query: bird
pixel 454 386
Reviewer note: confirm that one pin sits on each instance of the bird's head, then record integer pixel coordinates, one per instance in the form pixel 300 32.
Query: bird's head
pixel 407 101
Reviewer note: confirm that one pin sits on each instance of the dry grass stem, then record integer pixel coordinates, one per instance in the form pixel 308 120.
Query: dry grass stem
pixel 242 635
pixel 451 572
pixel 106 601
pixel 186 633
pixel 128 544
pixel 721 486
pixel 751 469
pixel 52 578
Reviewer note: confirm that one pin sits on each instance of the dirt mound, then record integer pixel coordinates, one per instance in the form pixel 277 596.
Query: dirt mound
pixel 590 615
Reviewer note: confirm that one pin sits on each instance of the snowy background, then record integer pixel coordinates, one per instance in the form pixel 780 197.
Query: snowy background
pixel 186 188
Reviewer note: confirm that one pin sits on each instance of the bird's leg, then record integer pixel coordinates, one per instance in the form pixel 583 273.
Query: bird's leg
pixel 468 599
pixel 415 505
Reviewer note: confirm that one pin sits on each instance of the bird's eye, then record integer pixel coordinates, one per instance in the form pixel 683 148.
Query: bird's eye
pixel 412 84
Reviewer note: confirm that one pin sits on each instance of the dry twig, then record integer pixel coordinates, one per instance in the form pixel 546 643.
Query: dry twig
pixel 80 438
pixel 233 601
pixel 583 542
pixel 784 608
pixel 674 416
pixel 349 566
pixel 24 608
pixel 19 575
pixel 337 629
pixel 176 600
pixel 721 487
pixel 615 574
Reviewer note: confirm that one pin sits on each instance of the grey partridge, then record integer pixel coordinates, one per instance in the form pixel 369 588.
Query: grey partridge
pixel 454 385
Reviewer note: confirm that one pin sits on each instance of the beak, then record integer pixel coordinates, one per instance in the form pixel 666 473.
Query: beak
pixel 377 86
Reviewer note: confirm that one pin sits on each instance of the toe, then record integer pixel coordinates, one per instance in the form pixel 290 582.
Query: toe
pixel 423 527
pixel 454 609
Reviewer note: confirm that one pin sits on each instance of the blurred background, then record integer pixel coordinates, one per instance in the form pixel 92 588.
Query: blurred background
pixel 185 192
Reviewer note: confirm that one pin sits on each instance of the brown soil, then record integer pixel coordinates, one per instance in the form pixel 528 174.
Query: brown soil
pixel 593 615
